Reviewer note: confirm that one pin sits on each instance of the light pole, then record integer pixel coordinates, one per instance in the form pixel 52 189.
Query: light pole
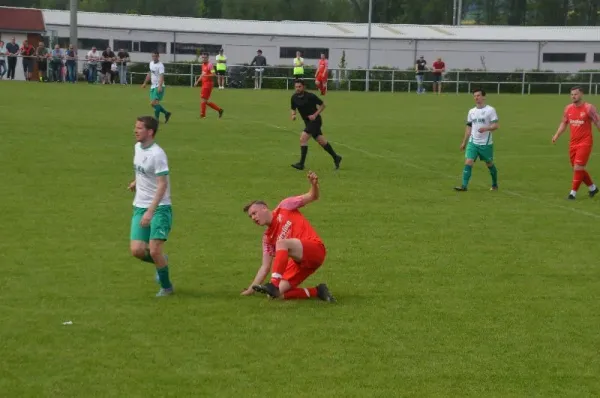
pixel 74 4
pixel 369 46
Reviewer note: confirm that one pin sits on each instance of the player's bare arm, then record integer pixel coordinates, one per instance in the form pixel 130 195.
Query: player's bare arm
pixel 146 80
pixel 131 186
pixel 293 114
pixel 314 193
pixel 468 129
pixel 161 80
pixel 491 127
pixel 562 127
pixel 161 189
pixel 320 109
pixel 261 274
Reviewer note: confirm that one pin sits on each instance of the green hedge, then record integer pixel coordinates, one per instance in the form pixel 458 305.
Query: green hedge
pixel 380 78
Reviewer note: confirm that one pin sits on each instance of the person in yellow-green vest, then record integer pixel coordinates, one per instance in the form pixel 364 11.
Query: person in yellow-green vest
pixel 221 69
pixel 298 66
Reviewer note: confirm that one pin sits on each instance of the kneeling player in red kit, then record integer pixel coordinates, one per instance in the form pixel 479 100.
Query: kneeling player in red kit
pixel 206 77
pixel 291 246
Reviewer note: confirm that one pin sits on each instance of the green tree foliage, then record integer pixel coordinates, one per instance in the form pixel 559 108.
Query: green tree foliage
pixel 505 12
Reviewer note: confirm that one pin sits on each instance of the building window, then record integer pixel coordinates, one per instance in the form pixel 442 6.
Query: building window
pixel 564 57
pixel 596 57
pixel 126 45
pixel 87 44
pixel 151 46
pixel 310 53
pixel 191 48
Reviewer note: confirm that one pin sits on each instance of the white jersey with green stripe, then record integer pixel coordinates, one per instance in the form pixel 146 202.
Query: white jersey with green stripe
pixel 481 117
pixel 150 163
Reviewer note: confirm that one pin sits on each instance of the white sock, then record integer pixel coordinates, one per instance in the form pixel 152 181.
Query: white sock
pixel 592 187
pixel 573 192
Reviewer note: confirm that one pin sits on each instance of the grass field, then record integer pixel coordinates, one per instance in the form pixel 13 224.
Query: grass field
pixel 439 293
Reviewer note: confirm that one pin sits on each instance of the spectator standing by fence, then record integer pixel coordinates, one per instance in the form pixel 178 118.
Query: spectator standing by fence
pixel 420 66
pixel 28 53
pixel 108 57
pixel 56 63
pixel 2 60
pixel 260 61
pixel 92 64
pixel 221 69
pixel 439 67
pixel 42 61
pixel 123 57
pixel 12 50
pixel 71 63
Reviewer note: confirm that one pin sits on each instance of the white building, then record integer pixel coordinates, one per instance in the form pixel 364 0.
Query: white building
pixel 496 48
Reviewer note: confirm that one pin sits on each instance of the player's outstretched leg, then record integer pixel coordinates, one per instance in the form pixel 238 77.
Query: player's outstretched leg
pixel 587 180
pixel 467 170
pixel 216 108
pixel 337 159
pixel 578 175
pixel 494 173
pixel 304 137
pixel 162 267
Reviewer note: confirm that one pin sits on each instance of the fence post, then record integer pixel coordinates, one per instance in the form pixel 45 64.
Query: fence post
pixel 559 88
pixel 591 81
pixel 529 89
pixel 457 82
pixel 191 75
pixel 380 86
pixel 287 83
pixel 498 88
pixel 393 81
pixel 523 84
pixel 469 87
pixel 348 84
pixel 409 86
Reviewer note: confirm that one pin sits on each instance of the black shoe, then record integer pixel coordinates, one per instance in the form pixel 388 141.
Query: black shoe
pixel 298 166
pixel 337 161
pixel 571 197
pixel 269 289
pixel 324 294
pixel 494 188
pixel 460 189
pixel 167 117
pixel 594 192
pixel 221 111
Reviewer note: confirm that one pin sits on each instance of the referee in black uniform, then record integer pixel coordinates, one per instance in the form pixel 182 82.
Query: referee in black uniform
pixel 310 107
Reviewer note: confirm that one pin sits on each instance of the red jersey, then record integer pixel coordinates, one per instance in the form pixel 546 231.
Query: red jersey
pixel 288 223
pixel 207 69
pixel 438 66
pixel 322 68
pixel 580 120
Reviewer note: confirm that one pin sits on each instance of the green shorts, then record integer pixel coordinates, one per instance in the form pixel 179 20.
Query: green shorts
pixel 155 95
pixel 483 152
pixel 159 228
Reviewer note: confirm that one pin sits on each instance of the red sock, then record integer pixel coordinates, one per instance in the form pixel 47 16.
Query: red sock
pixel 279 264
pixel 214 106
pixel 203 109
pixel 300 293
pixel 587 180
pixel 577 178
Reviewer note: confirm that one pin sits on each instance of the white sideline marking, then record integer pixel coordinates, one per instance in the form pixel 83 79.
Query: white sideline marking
pixel 415 166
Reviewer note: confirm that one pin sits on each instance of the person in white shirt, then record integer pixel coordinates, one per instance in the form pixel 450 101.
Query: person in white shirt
pixel 93 57
pixel 3 52
pixel 157 89
pixel 482 120
pixel 152 214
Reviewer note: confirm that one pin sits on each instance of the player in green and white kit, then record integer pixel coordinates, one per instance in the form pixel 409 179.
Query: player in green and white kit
pixel 482 120
pixel 152 214
pixel 157 89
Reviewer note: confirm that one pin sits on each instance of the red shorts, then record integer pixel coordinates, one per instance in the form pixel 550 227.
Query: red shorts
pixel 580 154
pixel 313 256
pixel 321 79
pixel 206 91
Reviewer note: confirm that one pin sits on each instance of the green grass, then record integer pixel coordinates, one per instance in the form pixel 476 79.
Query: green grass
pixel 440 294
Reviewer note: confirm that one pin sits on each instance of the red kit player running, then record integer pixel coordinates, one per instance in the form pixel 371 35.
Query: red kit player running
pixel 322 74
pixel 206 77
pixel 297 249
pixel 579 116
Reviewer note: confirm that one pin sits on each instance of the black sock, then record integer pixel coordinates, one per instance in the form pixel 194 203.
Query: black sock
pixel 303 152
pixel 330 150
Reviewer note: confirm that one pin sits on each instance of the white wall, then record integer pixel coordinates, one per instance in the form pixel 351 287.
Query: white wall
pixel 496 56
pixel 19 38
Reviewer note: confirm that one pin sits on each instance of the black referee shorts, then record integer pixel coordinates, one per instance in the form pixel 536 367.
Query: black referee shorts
pixel 313 127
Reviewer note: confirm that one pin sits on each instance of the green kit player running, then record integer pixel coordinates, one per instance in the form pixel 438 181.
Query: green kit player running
pixel 482 120
pixel 157 89
pixel 152 216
